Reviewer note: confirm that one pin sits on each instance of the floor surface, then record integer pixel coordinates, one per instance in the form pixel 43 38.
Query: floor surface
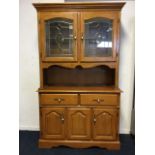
pixel 28 145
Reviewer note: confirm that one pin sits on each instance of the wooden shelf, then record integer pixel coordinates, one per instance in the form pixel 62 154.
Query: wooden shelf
pixel 77 89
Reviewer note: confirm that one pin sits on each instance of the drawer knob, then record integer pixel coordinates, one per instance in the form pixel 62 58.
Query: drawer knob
pixel 59 99
pixel 98 100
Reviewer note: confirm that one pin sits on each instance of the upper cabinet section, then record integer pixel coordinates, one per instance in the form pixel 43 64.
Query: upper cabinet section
pixel 99 33
pixel 79 32
pixel 58 36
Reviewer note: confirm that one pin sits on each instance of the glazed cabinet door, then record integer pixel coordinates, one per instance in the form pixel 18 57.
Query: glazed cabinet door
pixel 104 124
pixel 79 123
pixel 53 123
pixel 58 35
pixel 99 36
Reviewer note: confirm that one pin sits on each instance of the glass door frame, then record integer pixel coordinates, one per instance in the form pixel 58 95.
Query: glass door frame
pixel 100 14
pixel 44 16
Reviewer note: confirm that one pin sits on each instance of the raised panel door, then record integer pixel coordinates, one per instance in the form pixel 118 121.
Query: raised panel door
pixel 104 124
pixel 53 123
pixel 79 123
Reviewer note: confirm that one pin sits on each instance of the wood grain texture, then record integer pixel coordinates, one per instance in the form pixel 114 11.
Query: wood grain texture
pixel 58 99
pixel 114 145
pixel 99 99
pixel 52 15
pixel 104 126
pixel 72 89
pixel 79 116
pixel 53 123
pixel 84 5
pixel 111 15
pixel 79 123
pixel 96 76
pixel 71 65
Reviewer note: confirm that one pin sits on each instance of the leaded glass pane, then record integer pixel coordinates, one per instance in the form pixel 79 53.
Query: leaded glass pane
pixel 59 37
pixel 98 38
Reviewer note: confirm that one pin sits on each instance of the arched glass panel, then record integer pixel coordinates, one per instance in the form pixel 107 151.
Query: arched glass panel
pixel 59 37
pixel 98 37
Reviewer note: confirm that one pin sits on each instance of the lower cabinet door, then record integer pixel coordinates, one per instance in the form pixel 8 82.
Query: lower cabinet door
pixel 104 124
pixel 53 123
pixel 79 123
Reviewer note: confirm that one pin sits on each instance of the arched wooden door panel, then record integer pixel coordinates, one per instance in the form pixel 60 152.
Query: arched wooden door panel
pixel 104 124
pixel 79 123
pixel 53 123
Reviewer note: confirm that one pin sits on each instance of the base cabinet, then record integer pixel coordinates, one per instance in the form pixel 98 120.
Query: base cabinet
pixel 79 123
pixel 104 124
pixel 52 121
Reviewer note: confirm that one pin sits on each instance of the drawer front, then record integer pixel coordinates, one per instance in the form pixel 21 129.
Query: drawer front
pixel 58 99
pixel 99 99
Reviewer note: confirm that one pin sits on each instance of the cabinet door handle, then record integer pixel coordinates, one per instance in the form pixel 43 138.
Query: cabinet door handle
pixel 75 37
pixel 82 37
pixel 62 118
pixel 59 99
pixel 94 119
pixel 98 100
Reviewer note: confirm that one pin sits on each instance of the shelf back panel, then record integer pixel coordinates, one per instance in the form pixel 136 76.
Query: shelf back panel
pixel 97 76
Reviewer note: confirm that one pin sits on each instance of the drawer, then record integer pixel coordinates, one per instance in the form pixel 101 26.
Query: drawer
pixel 99 99
pixel 59 99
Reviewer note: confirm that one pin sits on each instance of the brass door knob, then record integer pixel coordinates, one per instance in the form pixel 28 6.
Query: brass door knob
pixel 59 99
pixel 82 37
pixel 62 118
pixel 98 100
pixel 75 37
pixel 94 119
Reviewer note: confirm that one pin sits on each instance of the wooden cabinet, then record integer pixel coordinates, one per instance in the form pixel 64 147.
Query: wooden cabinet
pixel 104 124
pixel 59 99
pixel 53 123
pixel 59 36
pixel 78 56
pixel 79 123
pixel 98 32
pixel 96 38
pixel 99 99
